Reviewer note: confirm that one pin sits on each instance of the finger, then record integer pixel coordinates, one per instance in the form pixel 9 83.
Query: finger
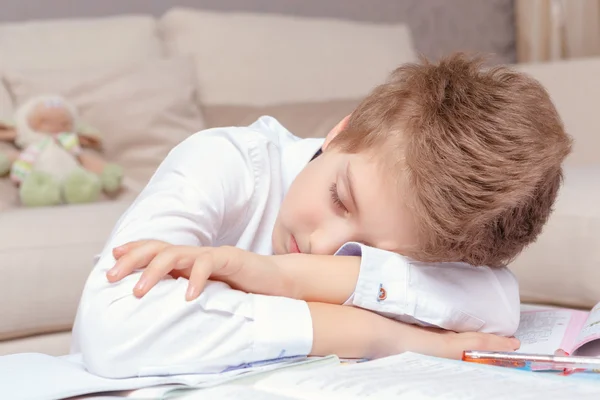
pixel 201 271
pixel 183 272
pixel 137 258
pixel 489 342
pixel 460 342
pixel 163 263
pixel 499 343
pixel 120 251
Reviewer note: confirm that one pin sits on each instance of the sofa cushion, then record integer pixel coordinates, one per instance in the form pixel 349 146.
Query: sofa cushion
pixel 46 255
pixel 575 89
pixel 142 110
pixel 563 266
pixel 302 119
pixel 53 344
pixel 79 42
pixel 263 59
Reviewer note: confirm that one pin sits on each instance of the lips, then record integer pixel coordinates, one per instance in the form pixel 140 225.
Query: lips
pixel 294 245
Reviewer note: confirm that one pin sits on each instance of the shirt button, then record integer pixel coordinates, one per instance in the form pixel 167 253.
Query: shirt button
pixel 382 295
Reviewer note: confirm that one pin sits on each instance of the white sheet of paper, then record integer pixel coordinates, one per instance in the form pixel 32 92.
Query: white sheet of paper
pixel 233 393
pixel 60 377
pixel 591 328
pixel 414 376
pixel 542 331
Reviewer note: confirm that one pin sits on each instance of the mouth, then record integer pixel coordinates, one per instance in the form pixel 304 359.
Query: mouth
pixel 294 245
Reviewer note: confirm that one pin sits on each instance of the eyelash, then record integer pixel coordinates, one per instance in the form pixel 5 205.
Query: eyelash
pixel 336 198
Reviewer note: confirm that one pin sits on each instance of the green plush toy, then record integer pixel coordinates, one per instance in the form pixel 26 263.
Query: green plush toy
pixel 52 167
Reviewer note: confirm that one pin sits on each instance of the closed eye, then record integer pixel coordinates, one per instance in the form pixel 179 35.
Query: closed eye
pixel 335 198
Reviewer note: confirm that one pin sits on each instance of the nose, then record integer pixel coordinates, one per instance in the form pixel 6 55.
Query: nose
pixel 328 240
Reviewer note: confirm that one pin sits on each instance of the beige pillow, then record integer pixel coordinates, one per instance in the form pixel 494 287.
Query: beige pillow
pixel 575 89
pixel 302 119
pixel 84 42
pixel 258 59
pixel 563 266
pixel 142 110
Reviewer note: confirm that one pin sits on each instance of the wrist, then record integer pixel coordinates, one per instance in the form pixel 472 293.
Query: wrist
pixel 391 338
pixel 318 278
pixel 398 337
pixel 284 269
pixel 260 274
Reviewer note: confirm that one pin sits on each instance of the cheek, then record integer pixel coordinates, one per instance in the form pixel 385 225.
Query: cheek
pixel 303 207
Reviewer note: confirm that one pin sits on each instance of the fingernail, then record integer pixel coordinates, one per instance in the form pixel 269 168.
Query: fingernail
pixel 191 292
pixel 140 285
pixel 113 272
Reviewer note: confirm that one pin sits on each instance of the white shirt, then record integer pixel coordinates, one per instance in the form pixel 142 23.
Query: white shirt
pixel 224 186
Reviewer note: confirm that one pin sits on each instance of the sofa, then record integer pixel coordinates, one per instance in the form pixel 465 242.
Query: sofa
pixel 146 83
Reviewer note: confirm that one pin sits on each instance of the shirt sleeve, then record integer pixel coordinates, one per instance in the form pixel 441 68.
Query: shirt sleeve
pixel 204 183
pixel 453 296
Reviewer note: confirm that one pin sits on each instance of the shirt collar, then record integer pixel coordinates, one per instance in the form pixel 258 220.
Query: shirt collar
pixel 296 153
pixel 295 156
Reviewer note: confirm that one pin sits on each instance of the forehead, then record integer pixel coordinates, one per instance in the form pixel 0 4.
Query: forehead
pixel 384 221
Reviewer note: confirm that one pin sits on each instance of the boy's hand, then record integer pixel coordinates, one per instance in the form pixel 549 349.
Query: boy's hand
pixel 453 344
pixel 441 343
pixel 341 330
pixel 198 264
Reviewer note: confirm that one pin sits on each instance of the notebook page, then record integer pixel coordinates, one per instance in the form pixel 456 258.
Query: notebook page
pixel 413 376
pixel 589 333
pixel 545 331
pixel 234 393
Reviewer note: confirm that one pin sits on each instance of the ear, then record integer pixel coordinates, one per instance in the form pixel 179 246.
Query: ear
pixel 8 134
pixel 335 131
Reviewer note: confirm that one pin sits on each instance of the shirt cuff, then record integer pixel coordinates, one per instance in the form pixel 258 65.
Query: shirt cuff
pixel 282 328
pixel 383 280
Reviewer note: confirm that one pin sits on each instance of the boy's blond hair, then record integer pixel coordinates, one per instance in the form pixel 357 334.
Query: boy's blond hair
pixel 478 153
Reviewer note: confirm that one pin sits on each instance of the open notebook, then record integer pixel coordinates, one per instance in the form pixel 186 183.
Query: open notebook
pixel 548 330
pixel 407 376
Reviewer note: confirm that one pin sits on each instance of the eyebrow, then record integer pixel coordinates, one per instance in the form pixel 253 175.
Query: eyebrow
pixel 349 180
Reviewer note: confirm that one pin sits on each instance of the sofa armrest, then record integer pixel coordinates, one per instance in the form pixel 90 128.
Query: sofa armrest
pixel 46 255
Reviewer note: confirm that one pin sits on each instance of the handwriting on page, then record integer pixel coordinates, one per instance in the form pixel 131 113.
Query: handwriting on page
pixel 542 331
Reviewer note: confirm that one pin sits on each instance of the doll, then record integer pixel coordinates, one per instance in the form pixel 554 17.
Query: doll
pixel 49 163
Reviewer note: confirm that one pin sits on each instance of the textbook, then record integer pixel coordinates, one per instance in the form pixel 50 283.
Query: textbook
pixel 552 330
pixel 406 376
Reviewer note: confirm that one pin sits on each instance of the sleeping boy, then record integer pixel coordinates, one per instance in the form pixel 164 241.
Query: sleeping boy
pixel 392 234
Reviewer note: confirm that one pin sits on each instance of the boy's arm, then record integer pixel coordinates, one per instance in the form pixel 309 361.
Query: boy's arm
pixel 453 296
pixel 308 277
pixel 342 330
pixel 120 335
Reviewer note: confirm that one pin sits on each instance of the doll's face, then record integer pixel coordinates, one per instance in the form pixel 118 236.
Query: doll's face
pixel 51 119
